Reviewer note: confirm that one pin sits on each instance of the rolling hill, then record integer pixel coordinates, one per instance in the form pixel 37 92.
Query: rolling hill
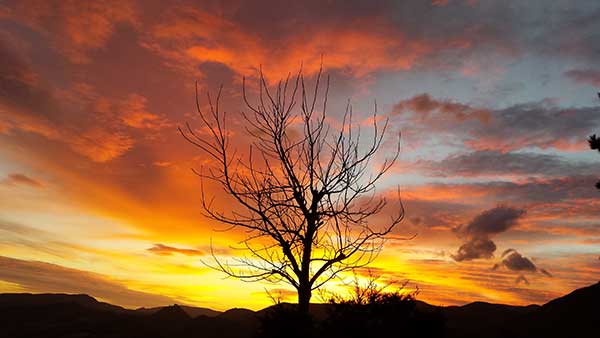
pixel 61 315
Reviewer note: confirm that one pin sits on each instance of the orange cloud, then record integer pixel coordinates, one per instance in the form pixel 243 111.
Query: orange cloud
pixel 77 28
pixel 191 37
pixel 92 125
pixel 134 114
pixel 99 145
pixel 424 104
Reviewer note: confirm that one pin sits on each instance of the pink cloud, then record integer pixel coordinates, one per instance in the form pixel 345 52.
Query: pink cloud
pixel 584 76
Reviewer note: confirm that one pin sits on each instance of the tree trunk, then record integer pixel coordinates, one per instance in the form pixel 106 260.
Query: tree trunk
pixel 304 294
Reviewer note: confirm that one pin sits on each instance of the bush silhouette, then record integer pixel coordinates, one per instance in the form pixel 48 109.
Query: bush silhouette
pixel 369 312
pixel 286 321
pixel 373 312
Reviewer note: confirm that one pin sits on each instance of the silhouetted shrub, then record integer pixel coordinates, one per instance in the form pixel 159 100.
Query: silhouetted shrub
pixel 369 311
pixel 373 312
pixel 595 145
pixel 286 321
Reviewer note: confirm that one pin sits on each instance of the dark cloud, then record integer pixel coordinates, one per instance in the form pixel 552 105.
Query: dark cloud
pixel 555 190
pixel 422 33
pixel 475 248
pixel 21 179
pixel 460 31
pixel 540 124
pixel 479 230
pixel 491 222
pixel 493 163
pixel 569 32
pixel 35 276
pixel 399 35
pixel 514 261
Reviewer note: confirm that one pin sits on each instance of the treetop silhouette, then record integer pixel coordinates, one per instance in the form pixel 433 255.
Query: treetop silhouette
pixel 594 142
pixel 305 189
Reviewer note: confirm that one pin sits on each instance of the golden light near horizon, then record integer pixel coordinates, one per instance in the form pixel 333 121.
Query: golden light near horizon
pixel 96 191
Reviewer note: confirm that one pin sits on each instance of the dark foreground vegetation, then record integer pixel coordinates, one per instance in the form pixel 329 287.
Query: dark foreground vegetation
pixel 390 315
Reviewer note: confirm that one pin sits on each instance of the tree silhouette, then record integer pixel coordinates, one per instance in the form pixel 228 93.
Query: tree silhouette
pixel 305 190
pixel 595 145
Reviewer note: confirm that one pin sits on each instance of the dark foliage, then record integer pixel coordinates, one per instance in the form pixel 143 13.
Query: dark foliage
pixel 390 315
pixel 284 320
pixel 594 142
pixel 369 312
pixel 595 145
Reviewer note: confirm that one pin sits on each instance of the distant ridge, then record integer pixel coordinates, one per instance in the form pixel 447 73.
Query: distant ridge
pixel 62 315
pixel 191 311
pixel 170 313
pixel 40 299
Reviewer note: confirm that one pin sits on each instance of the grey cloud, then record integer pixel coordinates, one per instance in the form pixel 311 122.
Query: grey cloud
pixel 492 162
pixel 562 189
pixel 475 248
pixel 461 31
pixel 514 261
pixel 541 124
pixel 478 231
pixel 35 276
pixel 510 29
pixel 584 76
pixel 491 222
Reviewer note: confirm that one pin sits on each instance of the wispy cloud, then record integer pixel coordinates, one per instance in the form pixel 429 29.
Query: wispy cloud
pixel 165 250
pixel 35 276
pixel 21 179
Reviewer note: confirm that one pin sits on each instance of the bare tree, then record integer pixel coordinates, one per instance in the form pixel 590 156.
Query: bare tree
pixel 305 190
pixel 594 142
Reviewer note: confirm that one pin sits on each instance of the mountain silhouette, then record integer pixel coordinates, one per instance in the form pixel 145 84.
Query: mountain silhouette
pixel 173 313
pixel 62 315
pixel 191 311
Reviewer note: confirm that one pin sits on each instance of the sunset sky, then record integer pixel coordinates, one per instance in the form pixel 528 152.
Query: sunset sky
pixel 494 99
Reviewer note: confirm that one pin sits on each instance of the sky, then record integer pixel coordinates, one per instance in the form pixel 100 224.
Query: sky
pixel 494 99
